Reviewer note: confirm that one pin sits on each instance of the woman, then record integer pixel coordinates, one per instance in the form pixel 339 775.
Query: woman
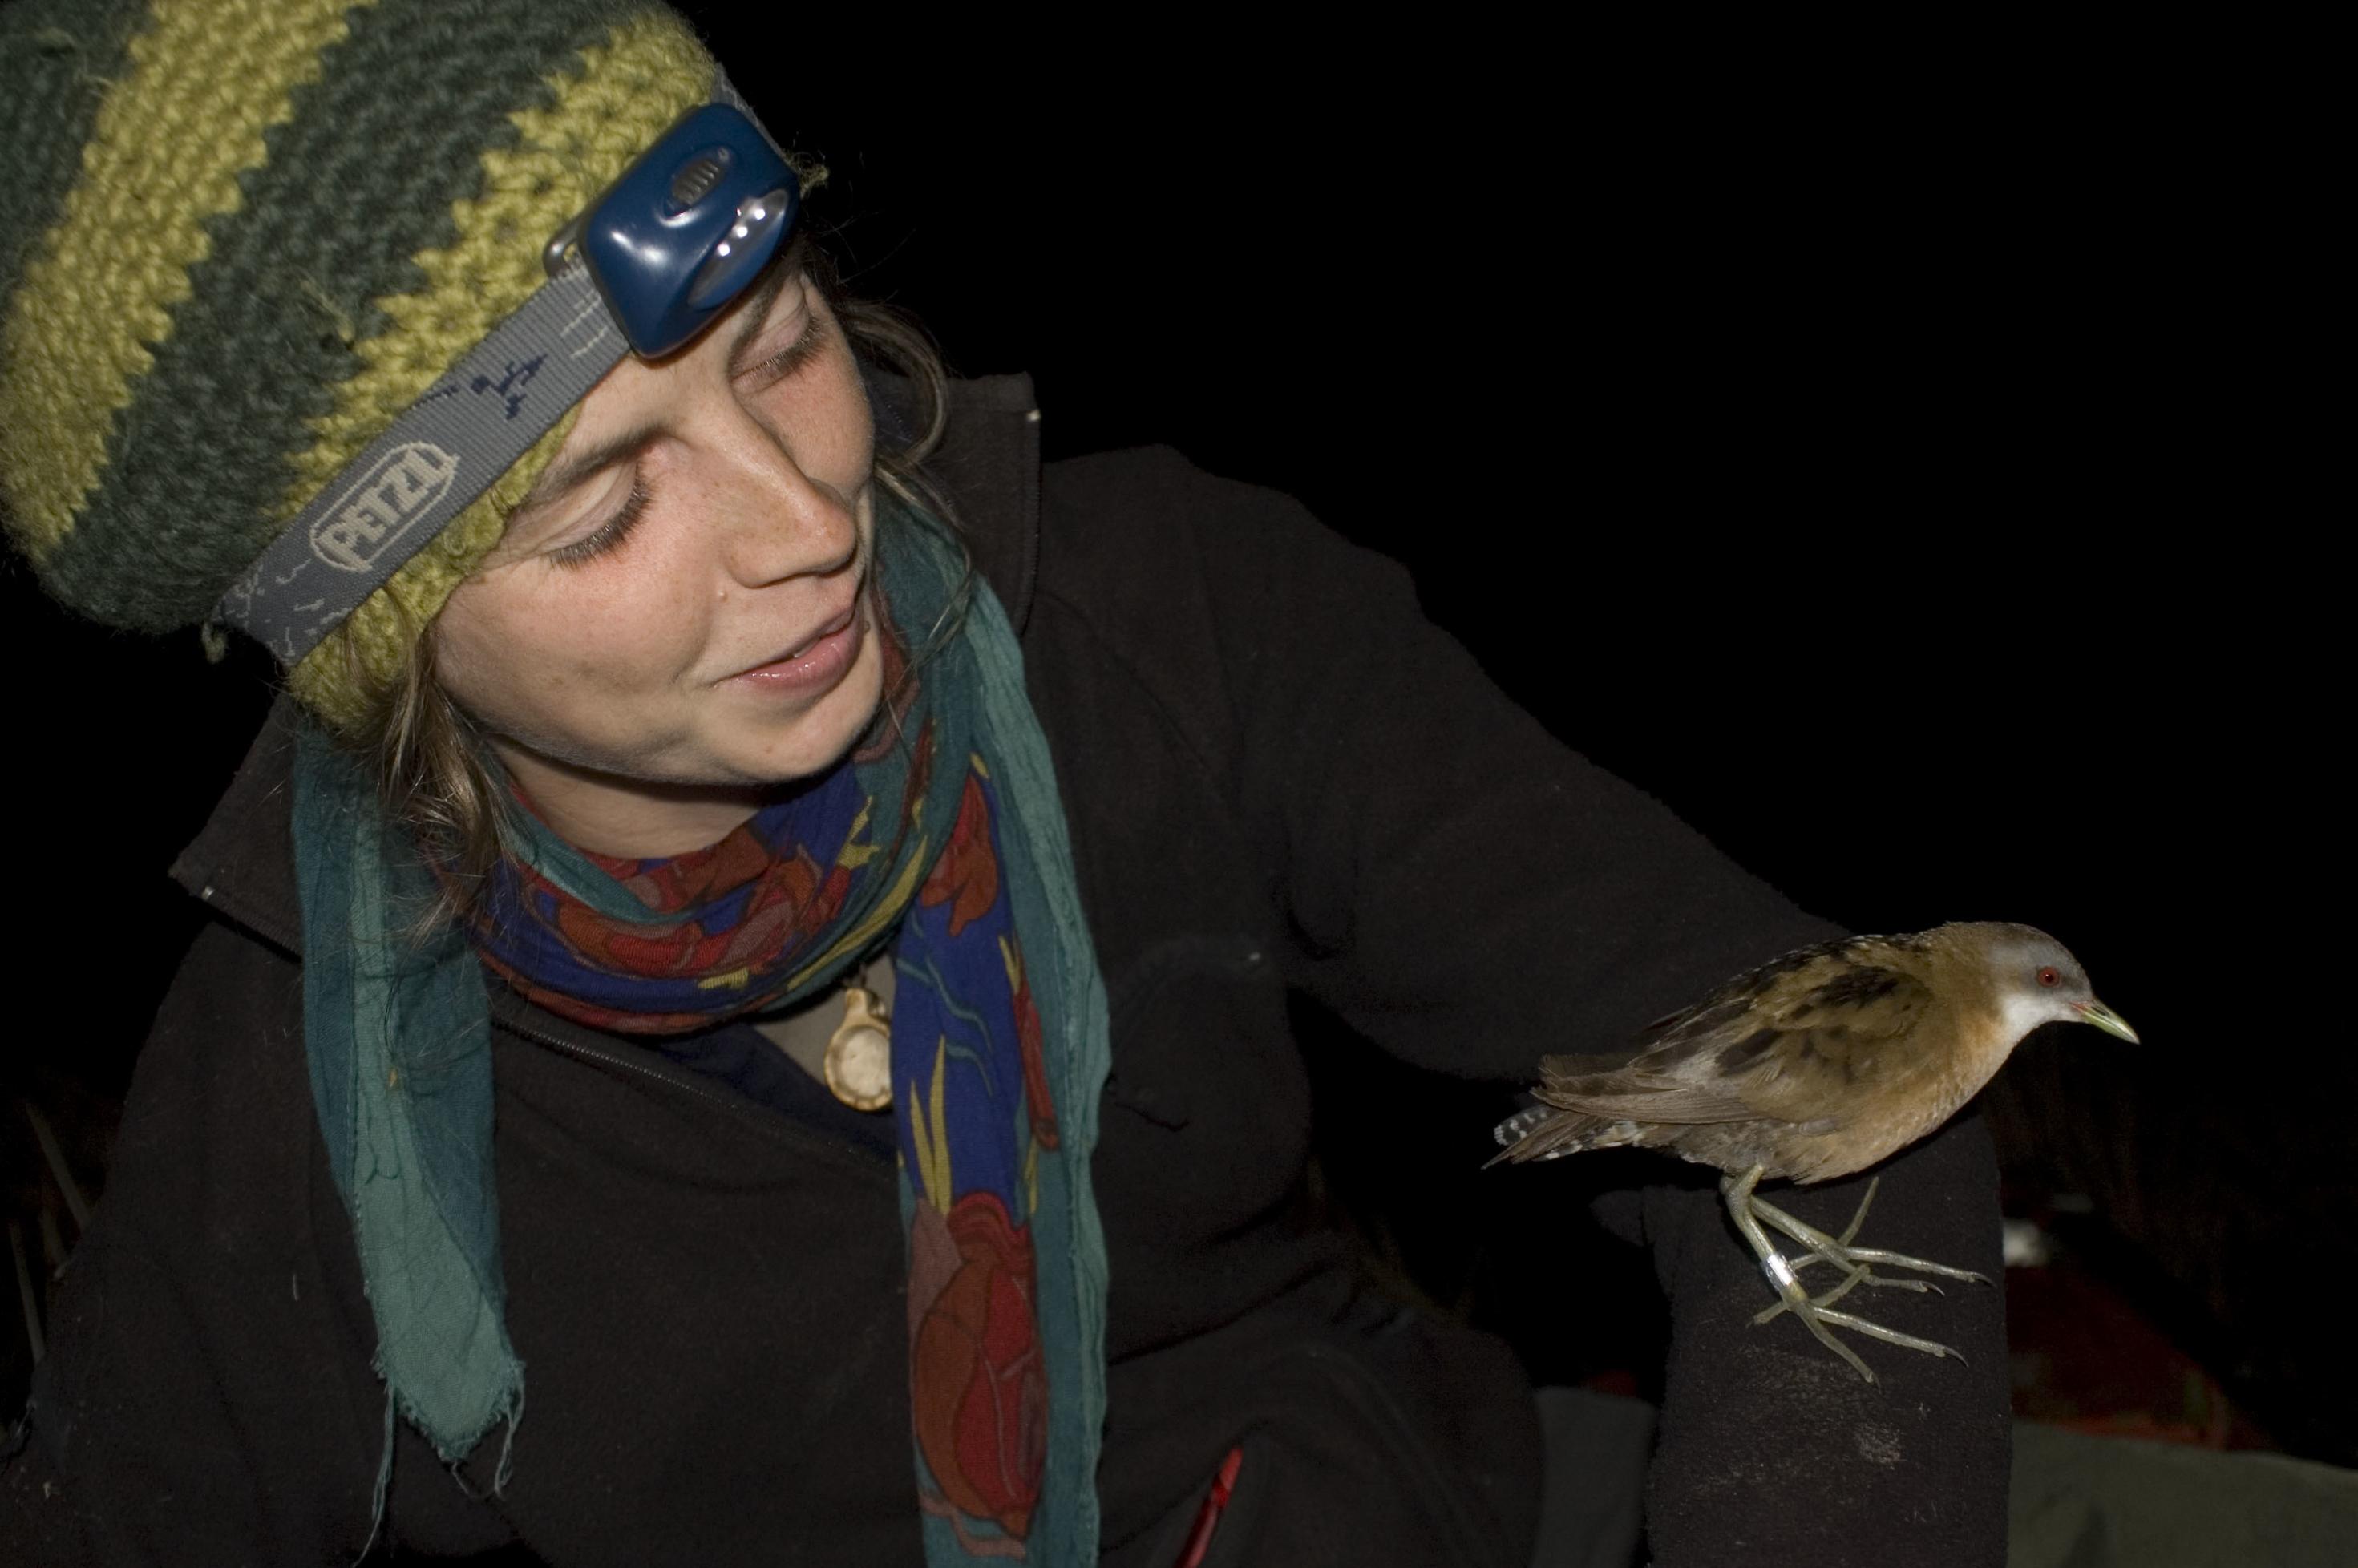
pixel 756 945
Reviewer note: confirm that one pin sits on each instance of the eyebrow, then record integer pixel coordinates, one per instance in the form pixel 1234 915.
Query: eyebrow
pixel 787 264
pixel 567 471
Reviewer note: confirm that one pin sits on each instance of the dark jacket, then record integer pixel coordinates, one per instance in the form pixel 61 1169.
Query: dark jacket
pixel 1277 775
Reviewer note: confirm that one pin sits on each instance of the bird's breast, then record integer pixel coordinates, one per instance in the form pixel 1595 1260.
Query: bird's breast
pixel 1910 1100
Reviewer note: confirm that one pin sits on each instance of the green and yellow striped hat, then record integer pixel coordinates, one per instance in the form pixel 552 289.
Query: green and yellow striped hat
pixel 239 237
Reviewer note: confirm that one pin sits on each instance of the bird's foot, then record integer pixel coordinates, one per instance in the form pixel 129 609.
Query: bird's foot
pixel 1856 1277
pixel 1839 1250
pixel 1815 1318
pixel 1817 1315
pixel 1819 1321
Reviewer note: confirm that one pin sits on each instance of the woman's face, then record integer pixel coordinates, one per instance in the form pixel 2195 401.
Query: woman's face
pixel 678 618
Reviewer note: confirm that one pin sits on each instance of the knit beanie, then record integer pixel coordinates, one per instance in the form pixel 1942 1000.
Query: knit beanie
pixel 239 237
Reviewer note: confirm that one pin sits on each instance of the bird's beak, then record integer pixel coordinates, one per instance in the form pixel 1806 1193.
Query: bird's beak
pixel 2105 1018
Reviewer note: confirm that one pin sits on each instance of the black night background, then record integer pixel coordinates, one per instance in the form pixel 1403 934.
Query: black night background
pixel 1853 459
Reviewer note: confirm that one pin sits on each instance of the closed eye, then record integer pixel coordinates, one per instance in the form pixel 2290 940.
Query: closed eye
pixel 805 348
pixel 610 533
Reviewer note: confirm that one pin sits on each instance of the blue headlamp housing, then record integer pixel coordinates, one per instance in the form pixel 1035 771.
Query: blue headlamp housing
pixel 685 229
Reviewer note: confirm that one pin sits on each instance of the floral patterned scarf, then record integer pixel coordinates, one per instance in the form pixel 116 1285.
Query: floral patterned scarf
pixel 941 839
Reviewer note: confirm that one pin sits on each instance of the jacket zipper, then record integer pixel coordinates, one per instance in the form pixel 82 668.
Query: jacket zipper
pixel 777 1128
pixel 641 1069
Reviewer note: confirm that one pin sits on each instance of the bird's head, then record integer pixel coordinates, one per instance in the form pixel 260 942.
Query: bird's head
pixel 2037 980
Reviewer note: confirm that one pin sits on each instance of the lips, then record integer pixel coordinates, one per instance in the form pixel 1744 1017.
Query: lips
pixel 799 650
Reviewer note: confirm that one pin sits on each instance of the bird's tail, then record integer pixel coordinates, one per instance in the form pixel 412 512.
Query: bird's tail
pixel 1545 1133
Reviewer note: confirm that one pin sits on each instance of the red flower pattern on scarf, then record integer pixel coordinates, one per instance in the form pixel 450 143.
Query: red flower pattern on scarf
pixel 978 1386
pixel 966 876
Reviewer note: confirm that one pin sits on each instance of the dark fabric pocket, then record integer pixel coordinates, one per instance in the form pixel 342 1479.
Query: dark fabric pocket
pixel 1212 981
pixel 1167 1545
pixel 1333 1474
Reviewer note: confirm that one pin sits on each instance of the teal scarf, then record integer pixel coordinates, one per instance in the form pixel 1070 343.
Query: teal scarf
pixel 958 856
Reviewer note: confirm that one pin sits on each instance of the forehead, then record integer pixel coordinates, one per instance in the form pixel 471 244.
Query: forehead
pixel 2028 945
pixel 614 422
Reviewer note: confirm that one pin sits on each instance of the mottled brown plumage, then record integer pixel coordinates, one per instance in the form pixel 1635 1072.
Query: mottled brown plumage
pixel 1817 1065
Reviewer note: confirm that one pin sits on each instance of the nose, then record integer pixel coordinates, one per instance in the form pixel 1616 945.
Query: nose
pixel 774 519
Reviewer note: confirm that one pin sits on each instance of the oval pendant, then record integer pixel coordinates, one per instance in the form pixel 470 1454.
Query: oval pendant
pixel 859 1060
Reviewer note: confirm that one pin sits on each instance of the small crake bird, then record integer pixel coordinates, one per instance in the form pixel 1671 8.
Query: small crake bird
pixel 1815 1066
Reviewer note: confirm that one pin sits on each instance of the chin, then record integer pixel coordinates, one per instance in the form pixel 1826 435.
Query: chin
pixel 812 741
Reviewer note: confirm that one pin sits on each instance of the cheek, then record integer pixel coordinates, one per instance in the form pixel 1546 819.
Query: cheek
pixel 854 426
pixel 531 649
pixel 822 417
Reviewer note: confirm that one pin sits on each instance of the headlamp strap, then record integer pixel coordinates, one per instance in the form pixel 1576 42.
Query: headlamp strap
pixel 434 459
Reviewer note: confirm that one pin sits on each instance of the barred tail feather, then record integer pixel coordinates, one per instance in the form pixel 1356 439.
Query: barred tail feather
pixel 1545 1133
pixel 1515 1127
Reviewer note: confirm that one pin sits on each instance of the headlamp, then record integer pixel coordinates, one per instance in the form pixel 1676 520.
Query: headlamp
pixel 685 229
pixel 660 254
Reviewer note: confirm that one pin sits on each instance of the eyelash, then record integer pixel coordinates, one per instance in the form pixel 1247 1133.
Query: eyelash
pixel 617 528
pixel 614 530
pixel 795 355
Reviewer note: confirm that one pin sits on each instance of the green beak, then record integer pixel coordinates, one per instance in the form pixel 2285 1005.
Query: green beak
pixel 2105 1018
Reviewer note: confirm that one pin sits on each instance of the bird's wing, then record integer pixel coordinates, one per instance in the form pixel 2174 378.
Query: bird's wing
pixel 1781 1041
pixel 1814 1031
pixel 1621 1090
pixel 1583 1067
pixel 1670 1105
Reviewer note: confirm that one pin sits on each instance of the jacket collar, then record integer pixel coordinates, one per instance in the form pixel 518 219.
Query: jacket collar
pixel 242 862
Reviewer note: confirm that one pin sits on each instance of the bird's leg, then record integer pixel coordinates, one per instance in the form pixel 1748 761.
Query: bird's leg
pixel 1857 1276
pixel 1857 1218
pixel 1738 1191
pixel 1742 1207
pixel 1840 1250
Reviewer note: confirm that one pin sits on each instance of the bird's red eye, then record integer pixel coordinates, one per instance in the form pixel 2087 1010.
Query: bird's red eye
pixel 2048 977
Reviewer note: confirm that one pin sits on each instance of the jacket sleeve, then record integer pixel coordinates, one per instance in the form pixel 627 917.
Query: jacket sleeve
pixel 1470 893
pixel 206 1397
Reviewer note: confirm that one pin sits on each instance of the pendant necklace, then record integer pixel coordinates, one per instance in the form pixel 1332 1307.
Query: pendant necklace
pixel 859 1062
